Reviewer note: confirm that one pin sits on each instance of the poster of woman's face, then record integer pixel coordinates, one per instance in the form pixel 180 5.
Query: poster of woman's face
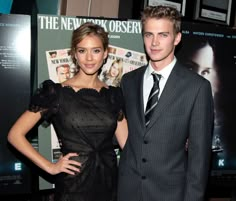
pixel 208 50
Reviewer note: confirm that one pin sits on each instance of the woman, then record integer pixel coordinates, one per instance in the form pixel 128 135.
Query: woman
pixel 85 114
pixel 195 59
pixel 201 56
pixel 112 77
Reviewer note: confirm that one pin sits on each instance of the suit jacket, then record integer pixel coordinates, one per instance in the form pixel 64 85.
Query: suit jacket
pixel 154 164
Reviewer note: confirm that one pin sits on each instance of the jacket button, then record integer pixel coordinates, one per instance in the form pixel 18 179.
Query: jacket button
pixel 144 160
pixel 145 142
pixel 143 177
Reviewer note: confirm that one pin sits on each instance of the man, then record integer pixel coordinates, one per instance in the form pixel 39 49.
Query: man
pixel 154 164
pixel 63 72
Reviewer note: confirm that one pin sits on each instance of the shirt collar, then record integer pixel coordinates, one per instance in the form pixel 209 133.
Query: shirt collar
pixel 165 72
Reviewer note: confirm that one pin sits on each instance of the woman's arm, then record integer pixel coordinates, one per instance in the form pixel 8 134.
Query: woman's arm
pixel 122 132
pixel 16 137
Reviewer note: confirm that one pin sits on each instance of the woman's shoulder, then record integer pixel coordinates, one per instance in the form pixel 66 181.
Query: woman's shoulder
pixel 49 85
pixel 117 101
pixel 114 88
pixel 49 82
pixel 115 91
pixel 47 89
pixel 45 99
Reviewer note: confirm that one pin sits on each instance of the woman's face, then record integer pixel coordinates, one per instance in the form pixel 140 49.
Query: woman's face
pixel 205 65
pixel 114 70
pixel 90 55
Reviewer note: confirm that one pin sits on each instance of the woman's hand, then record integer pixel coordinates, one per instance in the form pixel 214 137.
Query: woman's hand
pixel 16 137
pixel 64 164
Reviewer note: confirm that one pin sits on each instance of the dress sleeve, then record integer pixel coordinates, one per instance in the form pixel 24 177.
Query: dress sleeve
pixel 118 103
pixel 45 100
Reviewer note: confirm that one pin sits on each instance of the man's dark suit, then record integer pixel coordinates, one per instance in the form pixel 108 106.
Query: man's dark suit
pixel 154 164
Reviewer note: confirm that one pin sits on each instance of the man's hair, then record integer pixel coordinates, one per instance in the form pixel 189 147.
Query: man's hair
pixel 162 12
pixel 62 66
pixel 53 52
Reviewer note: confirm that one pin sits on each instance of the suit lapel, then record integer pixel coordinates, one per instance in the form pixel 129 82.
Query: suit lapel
pixel 171 90
pixel 139 92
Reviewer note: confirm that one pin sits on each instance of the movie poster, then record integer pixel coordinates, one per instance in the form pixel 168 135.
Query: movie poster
pixel 210 51
pixel 15 85
pixel 125 53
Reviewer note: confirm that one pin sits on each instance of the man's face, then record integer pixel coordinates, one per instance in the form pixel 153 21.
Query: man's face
pixel 53 55
pixel 63 74
pixel 160 40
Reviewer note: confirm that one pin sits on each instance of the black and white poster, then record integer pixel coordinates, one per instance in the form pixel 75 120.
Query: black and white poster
pixel 210 51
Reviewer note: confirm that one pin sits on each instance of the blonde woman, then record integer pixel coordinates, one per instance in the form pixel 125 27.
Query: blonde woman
pixel 112 77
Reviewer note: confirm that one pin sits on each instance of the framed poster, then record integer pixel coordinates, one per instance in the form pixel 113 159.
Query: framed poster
pixel 216 11
pixel 217 44
pixel 180 5
pixel 15 73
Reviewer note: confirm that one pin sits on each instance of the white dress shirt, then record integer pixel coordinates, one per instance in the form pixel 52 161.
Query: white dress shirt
pixel 148 80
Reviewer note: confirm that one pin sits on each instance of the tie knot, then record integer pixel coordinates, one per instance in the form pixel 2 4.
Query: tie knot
pixel 156 77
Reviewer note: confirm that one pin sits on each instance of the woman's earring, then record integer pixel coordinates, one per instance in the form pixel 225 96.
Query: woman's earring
pixel 77 65
pixel 104 61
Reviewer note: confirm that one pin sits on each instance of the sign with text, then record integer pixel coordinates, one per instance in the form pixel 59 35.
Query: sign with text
pixel 15 50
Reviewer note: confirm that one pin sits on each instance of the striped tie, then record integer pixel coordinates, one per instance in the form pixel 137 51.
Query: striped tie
pixel 153 98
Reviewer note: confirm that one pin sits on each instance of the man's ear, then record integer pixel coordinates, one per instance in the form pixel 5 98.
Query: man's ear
pixel 178 38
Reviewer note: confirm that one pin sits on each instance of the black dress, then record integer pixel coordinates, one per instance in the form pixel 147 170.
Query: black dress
pixel 85 122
